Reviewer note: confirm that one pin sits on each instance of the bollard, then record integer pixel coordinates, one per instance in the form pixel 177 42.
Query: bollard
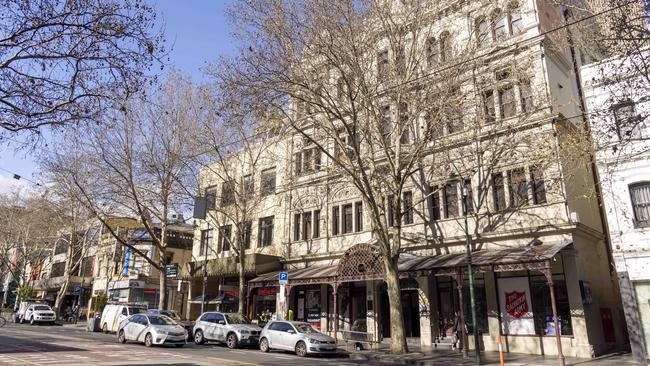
pixel 501 361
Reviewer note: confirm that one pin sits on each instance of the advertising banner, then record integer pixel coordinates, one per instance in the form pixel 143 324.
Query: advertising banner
pixel 516 306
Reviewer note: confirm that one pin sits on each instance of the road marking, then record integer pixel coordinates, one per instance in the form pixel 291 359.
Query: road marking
pixel 232 362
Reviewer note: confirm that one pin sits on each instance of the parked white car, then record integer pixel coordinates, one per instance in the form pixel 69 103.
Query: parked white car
pixel 298 337
pixel 151 330
pixel 229 328
pixel 38 313
pixel 114 314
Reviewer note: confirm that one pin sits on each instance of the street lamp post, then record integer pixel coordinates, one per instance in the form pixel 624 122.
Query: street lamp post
pixel 205 268
pixel 470 276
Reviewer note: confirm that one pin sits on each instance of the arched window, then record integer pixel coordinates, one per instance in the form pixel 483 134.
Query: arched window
pixel 516 22
pixel 499 25
pixel 482 31
pixel 433 51
pixel 640 196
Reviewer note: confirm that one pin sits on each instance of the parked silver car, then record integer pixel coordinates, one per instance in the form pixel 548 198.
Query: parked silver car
pixel 150 330
pixel 298 337
pixel 229 328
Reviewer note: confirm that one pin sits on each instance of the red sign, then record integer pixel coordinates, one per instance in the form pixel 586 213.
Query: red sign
pixel 267 291
pixel 231 293
pixel 516 304
pixel 148 291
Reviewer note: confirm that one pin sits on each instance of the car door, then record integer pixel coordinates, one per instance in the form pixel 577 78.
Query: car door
pixel 140 325
pixel 280 335
pixel 220 327
pixel 273 334
pixel 290 336
pixel 129 329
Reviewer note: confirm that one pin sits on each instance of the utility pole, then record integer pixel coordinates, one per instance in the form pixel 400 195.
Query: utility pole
pixel 205 267
pixel 470 276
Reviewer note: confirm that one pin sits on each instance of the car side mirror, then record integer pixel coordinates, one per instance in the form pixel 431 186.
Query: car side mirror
pixel 291 331
pixel 221 322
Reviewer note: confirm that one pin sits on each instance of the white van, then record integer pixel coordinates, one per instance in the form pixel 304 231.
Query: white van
pixel 114 314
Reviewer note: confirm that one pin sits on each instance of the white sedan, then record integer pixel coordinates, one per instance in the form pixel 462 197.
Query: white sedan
pixel 151 330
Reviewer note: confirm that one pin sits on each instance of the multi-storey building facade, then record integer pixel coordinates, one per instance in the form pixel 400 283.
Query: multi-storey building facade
pixel 537 238
pixel 122 275
pixel 618 107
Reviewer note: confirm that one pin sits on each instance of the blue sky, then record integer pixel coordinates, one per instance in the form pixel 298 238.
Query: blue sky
pixel 198 32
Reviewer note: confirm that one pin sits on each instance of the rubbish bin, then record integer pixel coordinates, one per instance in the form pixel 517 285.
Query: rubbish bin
pixel 93 324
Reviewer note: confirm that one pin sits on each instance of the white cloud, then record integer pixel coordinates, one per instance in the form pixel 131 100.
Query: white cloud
pixel 9 184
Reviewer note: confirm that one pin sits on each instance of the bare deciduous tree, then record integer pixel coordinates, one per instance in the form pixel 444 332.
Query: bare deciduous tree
pixel 65 62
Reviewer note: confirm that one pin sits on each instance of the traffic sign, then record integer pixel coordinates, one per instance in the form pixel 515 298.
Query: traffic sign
pixel 284 277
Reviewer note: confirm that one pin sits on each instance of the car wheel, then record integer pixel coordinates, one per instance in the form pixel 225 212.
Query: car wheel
pixel 198 337
pixel 264 345
pixel 179 345
pixel 32 321
pixel 301 349
pixel 148 340
pixel 105 328
pixel 231 341
pixel 121 337
pixel 21 320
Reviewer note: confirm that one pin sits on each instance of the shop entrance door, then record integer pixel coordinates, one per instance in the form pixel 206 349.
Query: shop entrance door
pixel 411 313
pixel 447 305
pixel 385 313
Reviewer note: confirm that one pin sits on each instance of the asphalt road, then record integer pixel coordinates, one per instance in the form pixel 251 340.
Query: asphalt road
pixel 57 345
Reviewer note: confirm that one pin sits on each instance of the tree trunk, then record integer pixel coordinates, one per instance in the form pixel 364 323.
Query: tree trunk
pixel 162 299
pixel 397 337
pixel 242 286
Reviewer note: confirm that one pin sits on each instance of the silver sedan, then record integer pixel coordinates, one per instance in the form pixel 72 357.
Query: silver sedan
pixel 151 330
pixel 298 337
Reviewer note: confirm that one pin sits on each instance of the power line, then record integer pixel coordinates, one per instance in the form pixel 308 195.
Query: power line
pixel 17 176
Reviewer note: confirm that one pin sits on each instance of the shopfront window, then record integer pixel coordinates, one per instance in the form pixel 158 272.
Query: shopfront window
pixel 542 308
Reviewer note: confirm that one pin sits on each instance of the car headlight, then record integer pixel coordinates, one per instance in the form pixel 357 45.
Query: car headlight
pixel 162 332
pixel 245 332
pixel 314 341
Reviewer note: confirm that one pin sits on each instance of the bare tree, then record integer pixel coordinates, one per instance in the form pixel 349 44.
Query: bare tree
pixel 136 164
pixel 65 62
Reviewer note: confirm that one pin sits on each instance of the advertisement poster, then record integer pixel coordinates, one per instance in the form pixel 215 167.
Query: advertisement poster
pixel 301 308
pixel 313 317
pixel 516 306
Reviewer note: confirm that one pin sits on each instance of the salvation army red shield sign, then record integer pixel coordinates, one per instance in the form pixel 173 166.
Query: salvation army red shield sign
pixel 516 304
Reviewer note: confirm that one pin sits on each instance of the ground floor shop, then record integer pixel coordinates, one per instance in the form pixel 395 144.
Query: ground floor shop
pixel 76 296
pixel 146 292
pixel 535 297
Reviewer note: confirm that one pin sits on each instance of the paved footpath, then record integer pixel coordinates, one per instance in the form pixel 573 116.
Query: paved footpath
pixel 73 346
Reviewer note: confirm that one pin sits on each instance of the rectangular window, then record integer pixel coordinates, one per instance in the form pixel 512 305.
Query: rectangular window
pixel 640 195
pixel 308 160
pixel 498 191
pixel 248 230
pixel 446 47
pixel 316 224
pixel 404 123
pixel 382 64
pixel 306 226
pixel 390 211
pixel 488 106
pixel 518 188
pixel 407 203
pixel 297 163
pixel 335 220
pixel 450 194
pixel 211 197
pixel 386 124
pixel 267 182
pixel 516 23
pixel 468 196
pixel 296 227
pixel 227 194
pixel 248 184
pixel 400 61
pixel 358 216
pixel 542 308
pixel 526 93
pixel 206 242
pixel 316 153
pixel 265 237
pixel 434 203
pixel 435 127
pixel 347 218
pixel 539 188
pixel 483 32
pixel 225 234
pixel 626 120
pixel 507 101
pixel 500 30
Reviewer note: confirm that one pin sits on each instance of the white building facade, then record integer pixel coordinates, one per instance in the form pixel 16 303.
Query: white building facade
pixel 618 113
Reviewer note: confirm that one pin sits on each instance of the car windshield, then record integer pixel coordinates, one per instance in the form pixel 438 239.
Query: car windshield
pixel 305 328
pixel 161 320
pixel 135 311
pixel 236 319
pixel 42 307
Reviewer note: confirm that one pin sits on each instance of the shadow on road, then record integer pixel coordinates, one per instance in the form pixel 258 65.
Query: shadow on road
pixel 14 345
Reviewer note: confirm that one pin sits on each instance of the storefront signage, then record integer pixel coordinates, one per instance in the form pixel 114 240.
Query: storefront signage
pixel 515 303
pixel 267 291
pixel 283 278
pixel 125 284
pixel 171 270
pixel 313 317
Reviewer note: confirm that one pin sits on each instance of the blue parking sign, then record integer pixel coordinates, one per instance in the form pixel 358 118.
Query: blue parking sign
pixel 284 277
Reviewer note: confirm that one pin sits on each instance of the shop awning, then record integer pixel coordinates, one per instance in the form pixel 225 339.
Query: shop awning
pixel 532 256
pixel 302 276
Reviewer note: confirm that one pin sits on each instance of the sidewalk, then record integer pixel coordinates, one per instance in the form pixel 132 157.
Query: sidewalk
pixel 443 357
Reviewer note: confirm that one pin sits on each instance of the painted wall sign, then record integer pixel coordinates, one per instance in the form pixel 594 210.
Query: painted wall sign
pixel 516 306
